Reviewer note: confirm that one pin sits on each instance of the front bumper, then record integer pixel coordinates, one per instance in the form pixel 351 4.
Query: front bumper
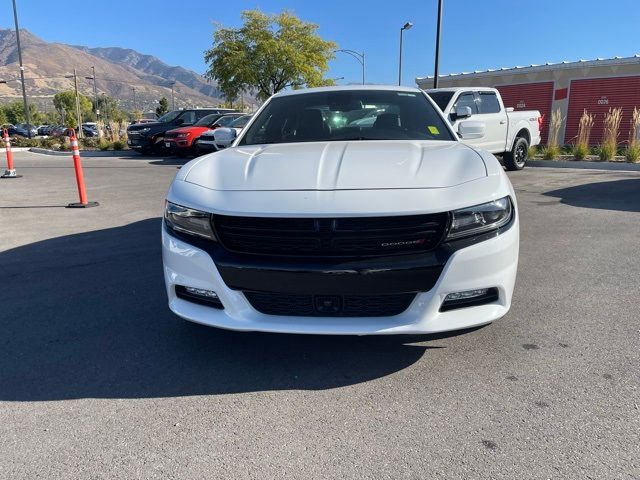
pixel 207 145
pixel 141 142
pixel 489 263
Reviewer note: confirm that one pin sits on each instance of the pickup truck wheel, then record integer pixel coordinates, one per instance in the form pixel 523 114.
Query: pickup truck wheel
pixel 517 157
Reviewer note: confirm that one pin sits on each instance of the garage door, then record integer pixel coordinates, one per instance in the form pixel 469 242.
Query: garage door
pixel 597 95
pixel 530 96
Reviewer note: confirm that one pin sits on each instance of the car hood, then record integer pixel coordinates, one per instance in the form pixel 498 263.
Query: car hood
pixel 358 165
pixel 192 129
pixel 152 125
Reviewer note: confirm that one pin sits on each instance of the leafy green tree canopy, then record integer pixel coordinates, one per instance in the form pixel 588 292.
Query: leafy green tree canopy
pixel 163 106
pixel 267 54
pixel 14 113
pixel 66 101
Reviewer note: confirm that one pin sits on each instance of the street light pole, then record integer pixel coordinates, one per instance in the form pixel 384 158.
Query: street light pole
pixel 173 101
pixel 406 26
pixel 358 56
pixel 437 60
pixel 24 92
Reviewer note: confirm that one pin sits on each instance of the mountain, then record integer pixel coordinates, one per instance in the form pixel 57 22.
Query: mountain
pixel 154 67
pixel 118 72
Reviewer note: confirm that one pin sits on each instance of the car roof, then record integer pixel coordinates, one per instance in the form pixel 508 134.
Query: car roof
pixel 460 89
pixel 347 88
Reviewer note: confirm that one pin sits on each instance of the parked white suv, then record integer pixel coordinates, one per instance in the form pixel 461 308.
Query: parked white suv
pixel 481 119
pixel 316 221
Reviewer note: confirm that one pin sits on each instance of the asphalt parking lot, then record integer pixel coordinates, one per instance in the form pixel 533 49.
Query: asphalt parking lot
pixel 98 379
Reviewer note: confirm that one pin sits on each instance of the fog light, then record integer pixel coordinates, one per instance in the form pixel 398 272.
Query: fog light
pixel 469 298
pixel 199 295
pixel 468 294
pixel 201 292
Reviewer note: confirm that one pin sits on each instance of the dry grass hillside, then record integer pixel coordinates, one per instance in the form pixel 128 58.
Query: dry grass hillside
pixel 115 76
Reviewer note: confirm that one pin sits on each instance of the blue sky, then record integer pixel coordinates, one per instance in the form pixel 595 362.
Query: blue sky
pixel 477 34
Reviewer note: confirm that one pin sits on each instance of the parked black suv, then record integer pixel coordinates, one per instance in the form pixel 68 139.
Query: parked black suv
pixel 148 137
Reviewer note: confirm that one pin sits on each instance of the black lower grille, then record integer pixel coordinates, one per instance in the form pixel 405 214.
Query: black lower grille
pixel 330 305
pixel 331 237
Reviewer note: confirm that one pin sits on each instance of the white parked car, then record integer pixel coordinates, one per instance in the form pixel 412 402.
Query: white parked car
pixel 507 132
pixel 223 137
pixel 311 224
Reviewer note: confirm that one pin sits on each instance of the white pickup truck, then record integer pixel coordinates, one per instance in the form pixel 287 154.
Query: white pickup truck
pixel 481 120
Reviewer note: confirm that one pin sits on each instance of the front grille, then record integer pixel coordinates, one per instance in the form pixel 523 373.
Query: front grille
pixel 337 237
pixel 341 306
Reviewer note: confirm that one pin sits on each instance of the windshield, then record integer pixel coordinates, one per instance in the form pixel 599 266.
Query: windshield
pixel 240 122
pixel 170 116
pixel 347 115
pixel 441 98
pixel 226 120
pixel 208 120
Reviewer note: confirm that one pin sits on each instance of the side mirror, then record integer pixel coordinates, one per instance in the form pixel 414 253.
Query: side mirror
pixel 471 130
pixel 223 137
pixel 463 112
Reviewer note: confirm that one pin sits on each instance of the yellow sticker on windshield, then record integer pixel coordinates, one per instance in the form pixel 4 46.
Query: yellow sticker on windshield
pixel 433 130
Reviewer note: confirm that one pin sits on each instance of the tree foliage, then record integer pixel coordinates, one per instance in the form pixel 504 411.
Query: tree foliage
pixel 109 109
pixel 163 106
pixel 267 54
pixel 13 112
pixel 66 102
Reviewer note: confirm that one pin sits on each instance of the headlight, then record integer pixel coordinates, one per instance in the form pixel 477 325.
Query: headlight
pixel 480 218
pixel 183 135
pixel 144 130
pixel 189 221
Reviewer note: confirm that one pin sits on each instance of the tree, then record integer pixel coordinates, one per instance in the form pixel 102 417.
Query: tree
pixel 109 109
pixel 66 102
pixel 163 106
pixel 267 54
pixel 14 113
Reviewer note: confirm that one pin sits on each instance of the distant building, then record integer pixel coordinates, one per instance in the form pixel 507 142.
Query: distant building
pixel 594 85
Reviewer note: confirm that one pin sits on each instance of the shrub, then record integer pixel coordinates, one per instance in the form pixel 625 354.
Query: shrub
pixel 609 146
pixel 633 153
pixel 633 150
pixel 551 152
pixel 89 142
pixel 25 142
pixel 533 151
pixel 118 145
pixel 50 142
pixel 104 144
pixel 581 149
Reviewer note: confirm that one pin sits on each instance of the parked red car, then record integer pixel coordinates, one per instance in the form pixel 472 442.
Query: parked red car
pixel 180 140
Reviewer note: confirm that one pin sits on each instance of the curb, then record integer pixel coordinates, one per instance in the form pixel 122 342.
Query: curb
pixel 20 149
pixel 84 153
pixel 584 165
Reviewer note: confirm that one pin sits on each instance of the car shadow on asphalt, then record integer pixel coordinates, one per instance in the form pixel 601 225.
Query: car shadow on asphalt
pixel 622 195
pixel 85 316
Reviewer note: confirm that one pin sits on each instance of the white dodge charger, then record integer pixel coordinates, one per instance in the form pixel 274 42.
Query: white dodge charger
pixel 343 210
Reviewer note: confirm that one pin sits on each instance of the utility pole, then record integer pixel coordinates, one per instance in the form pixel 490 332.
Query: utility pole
pixel 75 83
pixel 173 100
pixel 24 92
pixel 437 61
pixel 135 105
pixel 95 94
pixel 406 26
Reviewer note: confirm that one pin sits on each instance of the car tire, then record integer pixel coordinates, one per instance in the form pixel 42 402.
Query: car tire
pixel 516 159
